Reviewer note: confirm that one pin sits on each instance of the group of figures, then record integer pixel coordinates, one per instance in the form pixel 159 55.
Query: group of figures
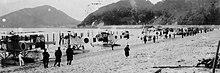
pixel 173 32
pixel 69 53
pixel 158 33
pixel 58 55
pixel 191 31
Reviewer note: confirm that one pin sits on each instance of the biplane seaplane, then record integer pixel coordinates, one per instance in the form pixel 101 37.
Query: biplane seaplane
pixel 103 38
pixel 14 43
pixel 69 39
pixel 109 38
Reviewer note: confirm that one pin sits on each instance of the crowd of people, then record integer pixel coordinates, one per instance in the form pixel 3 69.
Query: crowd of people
pixel 173 32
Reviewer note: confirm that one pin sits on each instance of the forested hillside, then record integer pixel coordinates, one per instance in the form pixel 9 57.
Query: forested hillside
pixel 166 12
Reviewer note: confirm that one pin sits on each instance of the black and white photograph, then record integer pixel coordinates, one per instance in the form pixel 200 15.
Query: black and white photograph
pixel 109 36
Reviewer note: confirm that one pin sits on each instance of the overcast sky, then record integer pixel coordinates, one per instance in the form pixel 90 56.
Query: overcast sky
pixel 77 9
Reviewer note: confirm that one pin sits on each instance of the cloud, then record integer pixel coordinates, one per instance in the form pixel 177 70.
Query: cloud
pixel 9 1
pixel 155 1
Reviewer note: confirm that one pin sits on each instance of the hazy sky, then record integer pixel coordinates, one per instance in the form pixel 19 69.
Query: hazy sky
pixel 77 9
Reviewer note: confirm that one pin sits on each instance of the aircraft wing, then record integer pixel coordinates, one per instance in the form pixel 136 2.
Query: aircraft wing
pixel 112 39
pixel 32 43
pixel 76 41
pixel 50 42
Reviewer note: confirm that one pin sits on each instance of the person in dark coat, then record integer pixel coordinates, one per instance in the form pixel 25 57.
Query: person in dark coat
pixel 46 56
pixel 145 39
pixel 127 49
pixel 112 45
pixel 160 34
pixel 69 53
pixel 183 34
pixel 58 55
pixel 169 35
pixel 154 39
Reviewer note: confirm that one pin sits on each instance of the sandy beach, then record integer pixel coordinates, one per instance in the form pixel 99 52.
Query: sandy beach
pixel 184 52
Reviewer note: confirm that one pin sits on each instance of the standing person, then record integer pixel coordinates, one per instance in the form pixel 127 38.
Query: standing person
pixel 160 33
pixel 169 35
pixel 145 39
pixel 21 61
pixel 46 56
pixel 127 49
pixel 183 34
pixel 58 55
pixel 112 45
pixel 166 36
pixel 69 53
pixel 154 39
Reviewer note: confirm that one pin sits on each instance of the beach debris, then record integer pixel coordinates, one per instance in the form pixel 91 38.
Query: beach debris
pixel 208 63
pixel 158 71
pixel 181 60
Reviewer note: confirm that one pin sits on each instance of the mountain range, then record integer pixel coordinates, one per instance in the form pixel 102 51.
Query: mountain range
pixel 188 12
pixel 166 12
pixel 118 13
pixel 38 17
pixel 123 12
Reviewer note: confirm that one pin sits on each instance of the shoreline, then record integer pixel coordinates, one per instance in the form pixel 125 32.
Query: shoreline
pixel 125 26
